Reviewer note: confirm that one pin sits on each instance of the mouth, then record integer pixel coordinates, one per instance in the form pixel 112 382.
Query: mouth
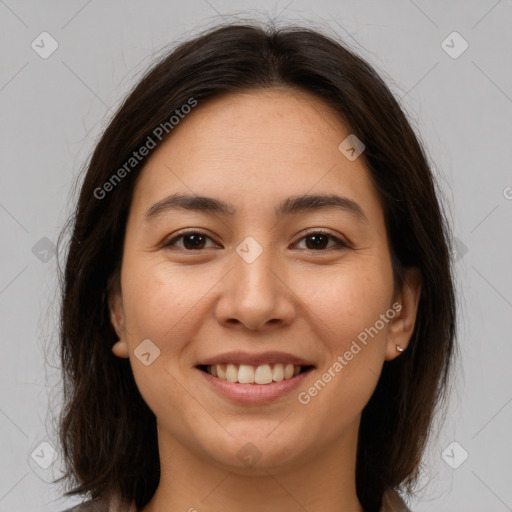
pixel 254 378
pixel 262 374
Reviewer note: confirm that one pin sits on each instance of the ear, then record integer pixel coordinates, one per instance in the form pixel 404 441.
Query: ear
pixel 401 326
pixel 117 317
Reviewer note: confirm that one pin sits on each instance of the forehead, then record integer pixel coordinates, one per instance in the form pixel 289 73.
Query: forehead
pixel 259 146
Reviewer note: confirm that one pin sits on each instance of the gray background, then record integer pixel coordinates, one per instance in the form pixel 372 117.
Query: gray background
pixel 53 110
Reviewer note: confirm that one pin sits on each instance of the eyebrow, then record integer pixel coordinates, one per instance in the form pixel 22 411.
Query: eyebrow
pixel 289 206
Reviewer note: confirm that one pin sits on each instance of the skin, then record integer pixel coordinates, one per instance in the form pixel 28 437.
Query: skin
pixel 253 150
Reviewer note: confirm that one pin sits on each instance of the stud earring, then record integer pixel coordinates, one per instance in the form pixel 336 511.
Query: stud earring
pixel 399 348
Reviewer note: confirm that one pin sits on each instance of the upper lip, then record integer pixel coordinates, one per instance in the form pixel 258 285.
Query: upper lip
pixel 255 359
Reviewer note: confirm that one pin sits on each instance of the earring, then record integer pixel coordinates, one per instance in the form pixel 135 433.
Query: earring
pixel 399 348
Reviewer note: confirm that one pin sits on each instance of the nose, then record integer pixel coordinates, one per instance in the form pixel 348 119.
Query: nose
pixel 255 293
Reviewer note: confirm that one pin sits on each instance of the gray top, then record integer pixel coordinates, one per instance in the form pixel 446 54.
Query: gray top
pixel 391 502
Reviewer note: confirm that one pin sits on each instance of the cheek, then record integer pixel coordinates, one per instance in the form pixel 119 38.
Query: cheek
pixel 159 301
pixel 162 307
pixel 348 300
pixel 347 309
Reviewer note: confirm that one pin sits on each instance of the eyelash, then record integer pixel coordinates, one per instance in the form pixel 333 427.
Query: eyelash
pixel 339 243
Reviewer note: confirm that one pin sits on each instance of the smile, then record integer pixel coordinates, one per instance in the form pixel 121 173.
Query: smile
pixel 251 374
pixel 254 385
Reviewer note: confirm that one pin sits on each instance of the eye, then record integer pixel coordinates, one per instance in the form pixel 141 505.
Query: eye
pixel 191 240
pixel 196 240
pixel 319 238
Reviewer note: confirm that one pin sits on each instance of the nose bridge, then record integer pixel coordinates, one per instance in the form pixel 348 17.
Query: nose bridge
pixel 253 294
pixel 254 270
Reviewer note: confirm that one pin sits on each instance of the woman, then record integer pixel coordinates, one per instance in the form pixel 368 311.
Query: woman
pixel 258 307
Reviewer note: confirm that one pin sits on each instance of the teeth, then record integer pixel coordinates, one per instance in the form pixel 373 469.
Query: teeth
pixel 232 373
pixel 278 372
pixel 245 374
pixel 263 374
pixel 248 374
pixel 288 371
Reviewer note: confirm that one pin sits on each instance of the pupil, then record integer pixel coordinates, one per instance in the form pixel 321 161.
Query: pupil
pixel 317 240
pixel 197 239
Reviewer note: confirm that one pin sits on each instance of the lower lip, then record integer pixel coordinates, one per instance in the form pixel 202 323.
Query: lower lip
pixel 255 393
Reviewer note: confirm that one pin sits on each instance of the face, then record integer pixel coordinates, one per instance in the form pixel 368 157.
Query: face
pixel 265 282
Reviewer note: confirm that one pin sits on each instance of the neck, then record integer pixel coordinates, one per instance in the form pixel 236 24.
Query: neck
pixel 321 481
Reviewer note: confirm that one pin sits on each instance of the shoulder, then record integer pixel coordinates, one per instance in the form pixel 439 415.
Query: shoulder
pixel 113 505
pixel 392 502
pixel 86 506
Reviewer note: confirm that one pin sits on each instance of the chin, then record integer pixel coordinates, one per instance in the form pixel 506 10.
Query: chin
pixel 254 447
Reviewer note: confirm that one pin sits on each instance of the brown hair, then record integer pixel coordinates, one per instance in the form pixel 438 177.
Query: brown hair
pixel 107 432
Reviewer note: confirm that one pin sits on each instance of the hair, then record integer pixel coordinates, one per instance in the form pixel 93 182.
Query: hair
pixel 107 431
